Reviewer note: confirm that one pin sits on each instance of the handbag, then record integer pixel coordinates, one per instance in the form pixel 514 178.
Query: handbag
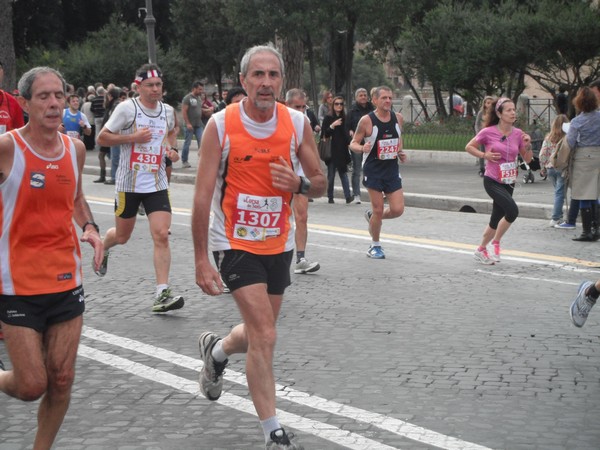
pixel 325 149
pixel 560 157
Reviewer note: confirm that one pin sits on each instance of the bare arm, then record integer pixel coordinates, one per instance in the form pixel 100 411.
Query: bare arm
pixel 82 213
pixel 210 157
pixel 286 179
pixel 364 129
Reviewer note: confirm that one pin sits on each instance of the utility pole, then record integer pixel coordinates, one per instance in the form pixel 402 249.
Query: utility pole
pixel 150 22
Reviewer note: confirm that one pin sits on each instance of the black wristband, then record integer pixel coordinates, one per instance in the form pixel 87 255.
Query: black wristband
pixel 94 224
pixel 175 149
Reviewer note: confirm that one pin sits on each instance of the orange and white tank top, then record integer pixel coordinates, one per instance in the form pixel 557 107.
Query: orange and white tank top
pixel 39 247
pixel 248 212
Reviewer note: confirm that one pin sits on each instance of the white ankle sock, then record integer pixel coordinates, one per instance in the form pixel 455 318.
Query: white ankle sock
pixel 268 425
pixel 160 288
pixel 217 352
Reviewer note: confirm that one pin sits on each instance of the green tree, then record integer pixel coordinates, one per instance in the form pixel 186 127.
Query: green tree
pixel 206 38
pixel 569 55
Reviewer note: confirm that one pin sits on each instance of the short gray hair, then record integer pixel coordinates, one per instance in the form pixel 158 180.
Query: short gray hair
pixel 359 90
pixel 378 90
pixel 269 47
pixel 29 77
pixel 293 93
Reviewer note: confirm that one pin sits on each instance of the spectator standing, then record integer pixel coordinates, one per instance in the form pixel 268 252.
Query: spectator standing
pixel 98 111
pixel 584 172
pixel 207 108
pixel 75 123
pixel 11 114
pixel 480 119
pixel 562 101
pixel 191 110
pixel 333 128
pixel 549 145
pixel 325 107
pixel 361 107
pixel 86 108
pixel 113 98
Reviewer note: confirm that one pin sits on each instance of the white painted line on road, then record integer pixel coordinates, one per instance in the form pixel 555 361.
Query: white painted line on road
pixel 396 426
pixel 450 249
pixel 521 277
pixel 309 426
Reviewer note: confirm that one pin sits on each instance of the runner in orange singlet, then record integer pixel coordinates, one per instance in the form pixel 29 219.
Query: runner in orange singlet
pixel 249 153
pixel 41 298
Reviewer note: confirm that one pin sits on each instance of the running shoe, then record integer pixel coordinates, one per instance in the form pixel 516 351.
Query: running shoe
pixel 582 305
pixel 211 375
pixel 2 365
pixel 186 165
pixel 483 257
pixel 375 252
pixel 565 226
pixel 141 210
pixel 166 302
pixel 280 440
pixel 553 223
pixel 357 199
pixel 305 266
pixel 103 266
pixel 368 215
pixel 495 256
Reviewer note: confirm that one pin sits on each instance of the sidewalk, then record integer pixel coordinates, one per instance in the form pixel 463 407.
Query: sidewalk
pixel 447 181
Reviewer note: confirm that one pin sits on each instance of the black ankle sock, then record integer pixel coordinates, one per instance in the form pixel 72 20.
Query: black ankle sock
pixel 592 292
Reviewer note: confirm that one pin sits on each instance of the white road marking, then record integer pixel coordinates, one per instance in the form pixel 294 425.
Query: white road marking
pixel 396 426
pixel 309 426
pixel 521 277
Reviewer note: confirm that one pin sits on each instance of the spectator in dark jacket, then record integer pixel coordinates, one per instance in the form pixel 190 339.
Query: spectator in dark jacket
pixel 361 107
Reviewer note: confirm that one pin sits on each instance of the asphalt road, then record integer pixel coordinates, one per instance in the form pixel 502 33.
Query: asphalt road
pixel 425 349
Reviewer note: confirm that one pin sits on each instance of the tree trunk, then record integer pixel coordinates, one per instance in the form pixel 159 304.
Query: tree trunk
pixel 314 94
pixel 7 48
pixel 292 51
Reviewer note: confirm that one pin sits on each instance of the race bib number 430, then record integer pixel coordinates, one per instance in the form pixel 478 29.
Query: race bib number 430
pixel 258 218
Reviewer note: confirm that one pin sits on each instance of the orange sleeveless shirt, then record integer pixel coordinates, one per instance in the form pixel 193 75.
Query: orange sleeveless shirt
pixel 256 215
pixel 39 247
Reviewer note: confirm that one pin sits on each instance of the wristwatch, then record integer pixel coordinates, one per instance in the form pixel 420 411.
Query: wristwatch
pixel 94 224
pixel 304 185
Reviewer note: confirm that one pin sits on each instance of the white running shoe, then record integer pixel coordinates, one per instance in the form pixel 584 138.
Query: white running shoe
pixel 582 305
pixel 305 266
pixel 483 257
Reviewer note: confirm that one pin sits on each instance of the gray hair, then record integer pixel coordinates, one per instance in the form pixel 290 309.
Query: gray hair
pixel 378 90
pixel 28 78
pixel 269 47
pixel 360 90
pixel 293 93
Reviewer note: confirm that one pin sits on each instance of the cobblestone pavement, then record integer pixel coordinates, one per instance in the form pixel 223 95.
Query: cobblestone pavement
pixel 425 349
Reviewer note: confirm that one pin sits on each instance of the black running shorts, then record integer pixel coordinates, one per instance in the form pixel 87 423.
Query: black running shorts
pixel 127 203
pixel 239 268
pixel 41 311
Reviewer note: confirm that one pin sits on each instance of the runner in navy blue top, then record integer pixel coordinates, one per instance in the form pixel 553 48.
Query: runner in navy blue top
pixel 382 148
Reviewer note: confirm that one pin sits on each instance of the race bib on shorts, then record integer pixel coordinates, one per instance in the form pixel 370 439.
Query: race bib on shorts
pixel 508 172
pixel 258 218
pixel 387 148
